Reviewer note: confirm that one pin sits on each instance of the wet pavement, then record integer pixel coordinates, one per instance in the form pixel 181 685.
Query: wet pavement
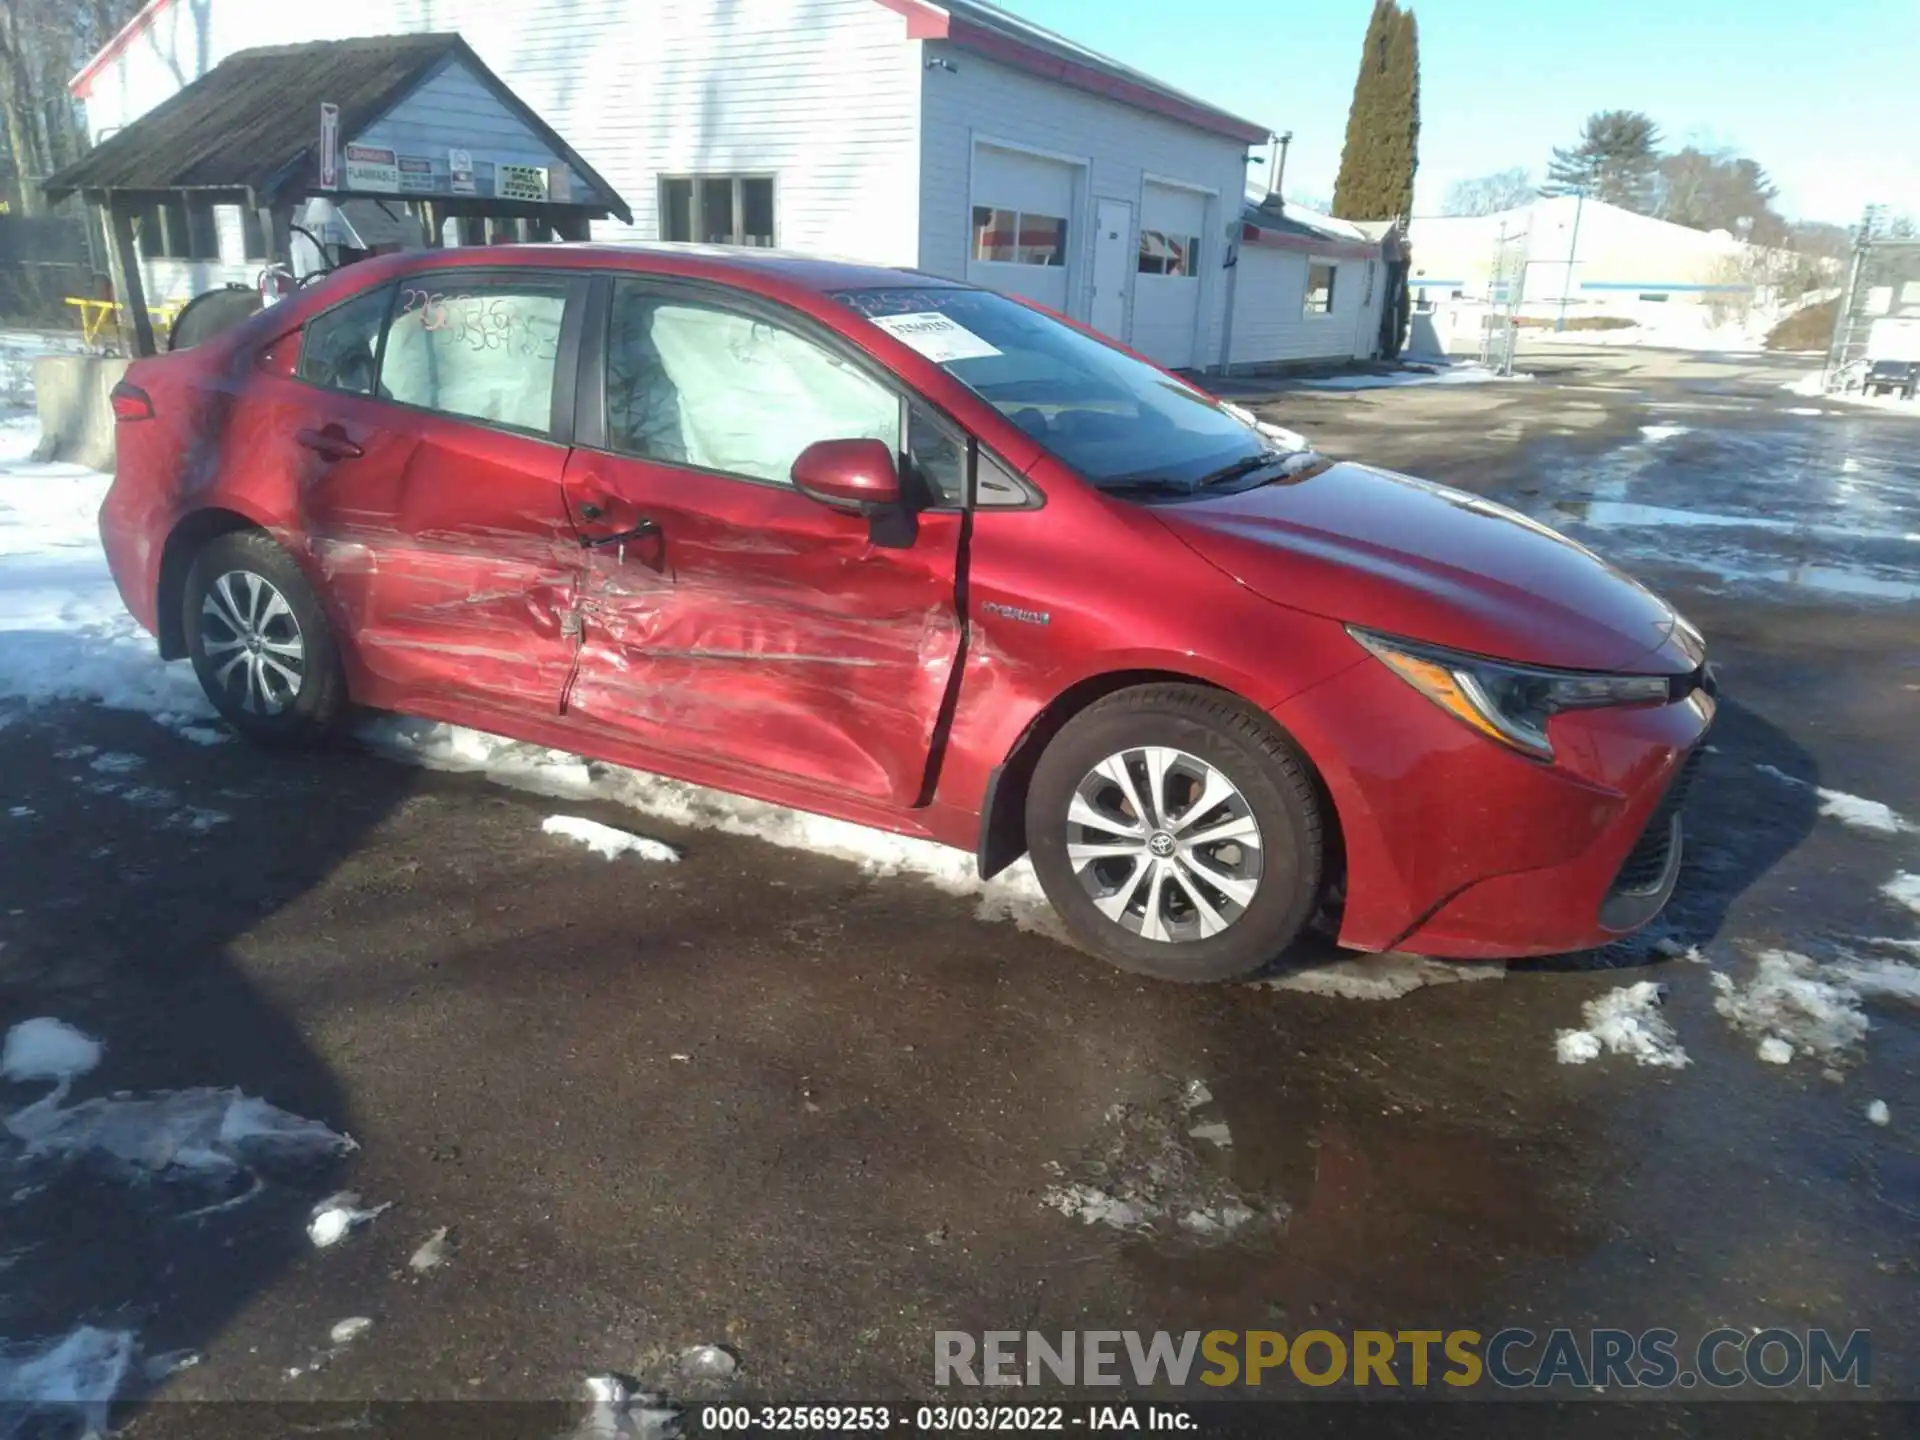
pixel 761 1100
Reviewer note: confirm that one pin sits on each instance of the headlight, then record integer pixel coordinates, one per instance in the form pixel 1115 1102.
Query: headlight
pixel 1509 703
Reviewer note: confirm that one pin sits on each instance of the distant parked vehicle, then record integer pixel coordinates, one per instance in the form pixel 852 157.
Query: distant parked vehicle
pixel 1897 377
pixel 917 555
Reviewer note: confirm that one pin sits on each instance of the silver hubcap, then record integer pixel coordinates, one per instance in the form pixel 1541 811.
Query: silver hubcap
pixel 1166 845
pixel 252 642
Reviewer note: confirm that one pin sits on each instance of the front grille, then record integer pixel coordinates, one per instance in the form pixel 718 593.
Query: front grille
pixel 1647 861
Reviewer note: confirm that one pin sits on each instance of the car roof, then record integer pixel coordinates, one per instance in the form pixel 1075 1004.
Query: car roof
pixel 750 264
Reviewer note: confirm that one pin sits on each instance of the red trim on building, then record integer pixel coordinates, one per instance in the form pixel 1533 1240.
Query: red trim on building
pixel 82 83
pixel 1309 245
pixel 924 21
pixel 1040 62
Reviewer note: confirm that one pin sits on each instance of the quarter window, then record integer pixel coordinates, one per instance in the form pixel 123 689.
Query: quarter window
pixel 696 385
pixel 1018 237
pixel 338 349
pixel 1320 289
pixel 1162 254
pixel 480 348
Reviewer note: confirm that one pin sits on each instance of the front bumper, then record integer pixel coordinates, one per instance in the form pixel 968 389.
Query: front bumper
pixel 1456 847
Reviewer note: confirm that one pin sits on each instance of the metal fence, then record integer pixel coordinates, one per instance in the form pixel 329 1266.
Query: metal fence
pixel 1879 313
pixel 44 260
pixel 1506 292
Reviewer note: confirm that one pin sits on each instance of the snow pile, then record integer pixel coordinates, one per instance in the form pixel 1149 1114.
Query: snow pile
pixel 204 1132
pixel 1151 1180
pixel 78 1376
pixel 1654 434
pixel 1381 977
pixel 47 1050
pixel 1792 1001
pixel 606 841
pixel 1012 895
pixel 1886 979
pixel 1628 1022
pixel 1848 809
pixel 1905 890
pixel 64 633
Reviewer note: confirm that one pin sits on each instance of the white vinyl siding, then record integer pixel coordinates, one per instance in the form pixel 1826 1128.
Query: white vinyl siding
pixel 1271 324
pixel 980 100
pixel 822 94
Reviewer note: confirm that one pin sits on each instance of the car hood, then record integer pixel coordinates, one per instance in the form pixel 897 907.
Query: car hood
pixel 1422 561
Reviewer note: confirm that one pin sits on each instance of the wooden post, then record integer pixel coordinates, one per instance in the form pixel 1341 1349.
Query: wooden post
pixel 136 324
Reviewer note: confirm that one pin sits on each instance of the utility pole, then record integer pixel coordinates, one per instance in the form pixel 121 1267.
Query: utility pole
pixel 1573 246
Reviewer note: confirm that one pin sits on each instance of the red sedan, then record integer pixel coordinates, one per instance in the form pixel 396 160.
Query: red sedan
pixel 916 555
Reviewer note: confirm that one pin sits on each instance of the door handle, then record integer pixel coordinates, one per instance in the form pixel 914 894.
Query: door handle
pixel 641 528
pixel 591 511
pixel 330 444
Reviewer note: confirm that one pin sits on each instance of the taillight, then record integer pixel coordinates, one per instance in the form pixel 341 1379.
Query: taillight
pixel 130 402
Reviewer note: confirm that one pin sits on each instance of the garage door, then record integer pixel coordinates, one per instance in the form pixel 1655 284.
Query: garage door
pixel 1022 205
pixel 1174 247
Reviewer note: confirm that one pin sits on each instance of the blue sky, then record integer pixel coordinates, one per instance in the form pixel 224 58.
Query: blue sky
pixel 1824 93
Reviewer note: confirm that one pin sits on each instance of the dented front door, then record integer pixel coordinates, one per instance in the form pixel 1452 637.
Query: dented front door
pixel 752 628
pixel 740 624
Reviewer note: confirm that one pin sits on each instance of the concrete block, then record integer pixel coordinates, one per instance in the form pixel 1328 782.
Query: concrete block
pixel 71 395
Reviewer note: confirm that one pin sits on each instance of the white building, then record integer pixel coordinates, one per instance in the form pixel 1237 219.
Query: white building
pixel 953 138
pixel 1600 258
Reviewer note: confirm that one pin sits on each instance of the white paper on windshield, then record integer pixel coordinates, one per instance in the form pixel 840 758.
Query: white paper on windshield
pixel 935 336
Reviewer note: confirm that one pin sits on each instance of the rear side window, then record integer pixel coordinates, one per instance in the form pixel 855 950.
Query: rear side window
pixel 338 349
pixel 481 348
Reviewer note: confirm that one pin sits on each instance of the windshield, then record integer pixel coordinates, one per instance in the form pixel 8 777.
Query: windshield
pixel 1111 417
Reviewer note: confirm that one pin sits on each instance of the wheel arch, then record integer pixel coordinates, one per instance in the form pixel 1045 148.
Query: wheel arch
pixel 1003 824
pixel 184 541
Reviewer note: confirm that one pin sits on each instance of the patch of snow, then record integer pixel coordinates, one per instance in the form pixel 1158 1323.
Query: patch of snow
pixel 345 1332
pixel 606 841
pixel 338 1214
pixel 1013 895
pixel 1878 1114
pixel 203 735
pixel 1093 1206
pixel 20 812
pixel 1385 976
pixel 1803 410
pixel 432 1253
pixel 1194 1094
pixel 64 632
pixel 619 1408
pixel 1214 1132
pixel 706 1362
pixel 1889 979
pixel 1626 1021
pixel 1465 373
pixel 79 1374
pixel 1654 434
pixel 1790 998
pixel 1904 889
pixel 208 1133
pixel 46 1049
pixel 1848 809
pixel 115 762
pixel 1808 384
pixel 1776 1051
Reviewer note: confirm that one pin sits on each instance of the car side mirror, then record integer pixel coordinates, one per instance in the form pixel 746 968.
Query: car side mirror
pixel 857 476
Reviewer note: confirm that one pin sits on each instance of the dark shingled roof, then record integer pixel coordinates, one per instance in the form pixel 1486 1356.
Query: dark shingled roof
pixel 253 121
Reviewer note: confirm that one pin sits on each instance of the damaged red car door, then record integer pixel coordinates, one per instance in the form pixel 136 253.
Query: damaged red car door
pixel 727 617
pixel 433 499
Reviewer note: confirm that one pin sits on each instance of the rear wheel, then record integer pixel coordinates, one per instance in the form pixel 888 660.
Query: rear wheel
pixel 260 642
pixel 1178 834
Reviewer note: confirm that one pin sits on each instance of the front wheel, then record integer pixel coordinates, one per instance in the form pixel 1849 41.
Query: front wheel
pixel 1178 834
pixel 260 642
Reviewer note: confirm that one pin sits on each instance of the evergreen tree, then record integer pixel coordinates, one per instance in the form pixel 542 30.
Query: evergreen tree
pixel 1377 162
pixel 1616 160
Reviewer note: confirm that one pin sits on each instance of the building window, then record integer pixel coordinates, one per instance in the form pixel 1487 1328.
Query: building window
pixel 1319 288
pixel 717 209
pixel 203 234
pixel 1162 254
pixel 178 229
pixel 1018 237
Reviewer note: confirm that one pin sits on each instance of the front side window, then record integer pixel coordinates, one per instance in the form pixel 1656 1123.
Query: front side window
pixel 338 349
pixel 1319 289
pixel 1018 237
pixel 1111 417
pixel 1162 254
pixel 694 384
pixel 717 209
pixel 483 348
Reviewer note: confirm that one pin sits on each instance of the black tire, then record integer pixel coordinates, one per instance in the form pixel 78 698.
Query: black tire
pixel 306 714
pixel 1274 784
